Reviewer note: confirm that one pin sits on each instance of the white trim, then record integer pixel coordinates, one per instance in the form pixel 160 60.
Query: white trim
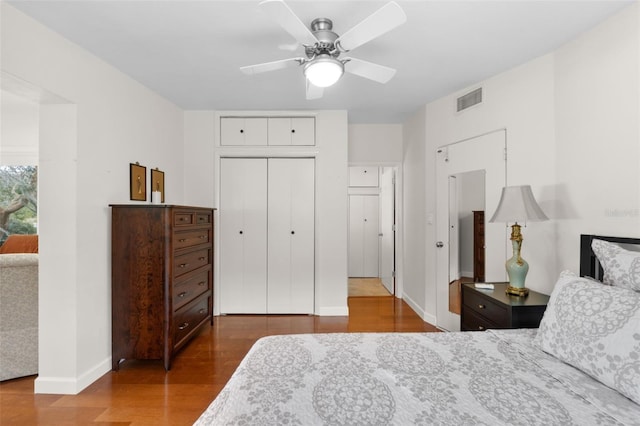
pixel 426 317
pixel 333 311
pixel 72 386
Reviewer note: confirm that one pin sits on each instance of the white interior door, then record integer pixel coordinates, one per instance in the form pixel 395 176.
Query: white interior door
pixel 387 222
pixel 243 235
pixel 485 152
pixel 363 235
pixel 291 207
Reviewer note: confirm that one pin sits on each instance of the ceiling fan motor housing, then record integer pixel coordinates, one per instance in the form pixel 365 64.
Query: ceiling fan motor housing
pixel 322 30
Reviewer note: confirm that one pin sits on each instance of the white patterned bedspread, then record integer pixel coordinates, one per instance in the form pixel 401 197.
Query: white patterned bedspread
pixel 498 377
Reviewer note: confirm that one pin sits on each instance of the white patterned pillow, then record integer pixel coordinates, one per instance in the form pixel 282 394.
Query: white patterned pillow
pixel 621 267
pixel 596 329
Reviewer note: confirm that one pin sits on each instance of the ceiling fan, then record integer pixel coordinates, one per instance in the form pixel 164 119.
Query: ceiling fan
pixel 323 65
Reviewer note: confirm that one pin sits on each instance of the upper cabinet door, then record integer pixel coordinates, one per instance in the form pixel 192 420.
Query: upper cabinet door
pixel 363 176
pixel 292 131
pixel 243 131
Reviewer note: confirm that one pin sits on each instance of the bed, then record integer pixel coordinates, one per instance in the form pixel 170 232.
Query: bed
pixel 582 367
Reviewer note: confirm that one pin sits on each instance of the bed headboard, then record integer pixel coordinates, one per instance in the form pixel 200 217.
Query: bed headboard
pixel 589 265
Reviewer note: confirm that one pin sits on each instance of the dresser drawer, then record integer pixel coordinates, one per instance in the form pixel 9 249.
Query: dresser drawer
pixel 190 261
pixel 486 307
pixel 191 238
pixel 183 218
pixel 188 318
pixel 187 290
pixel 203 218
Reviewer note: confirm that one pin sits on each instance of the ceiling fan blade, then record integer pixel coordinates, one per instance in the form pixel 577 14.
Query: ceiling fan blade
pixel 369 70
pixel 270 66
pixel 283 15
pixel 313 92
pixel 383 20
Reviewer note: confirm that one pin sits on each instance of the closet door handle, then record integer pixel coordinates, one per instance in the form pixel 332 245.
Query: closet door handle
pixel 240 232
pixel 293 232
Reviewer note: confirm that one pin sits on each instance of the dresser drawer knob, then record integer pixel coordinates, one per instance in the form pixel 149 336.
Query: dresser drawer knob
pixel 481 306
pixel 202 311
pixel 183 265
pixel 182 240
pixel 202 237
pixel 183 294
pixel 480 328
pixel 183 326
pixel 201 283
pixel 202 258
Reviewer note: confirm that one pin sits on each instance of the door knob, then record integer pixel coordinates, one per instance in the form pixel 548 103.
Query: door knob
pixel 439 244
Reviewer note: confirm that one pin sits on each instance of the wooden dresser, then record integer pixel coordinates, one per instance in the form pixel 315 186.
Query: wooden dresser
pixel 478 246
pixel 483 309
pixel 162 279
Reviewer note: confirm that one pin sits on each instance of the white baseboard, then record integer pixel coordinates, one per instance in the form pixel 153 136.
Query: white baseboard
pixel 333 311
pixel 70 385
pixel 426 317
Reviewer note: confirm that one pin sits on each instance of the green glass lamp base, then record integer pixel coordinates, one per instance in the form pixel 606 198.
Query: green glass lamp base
pixel 517 267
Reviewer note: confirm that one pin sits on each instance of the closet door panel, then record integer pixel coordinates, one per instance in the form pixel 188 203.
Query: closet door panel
pixel 243 235
pixel 371 234
pixel 356 236
pixel 363 236
pixel 290 281
pixel 243 131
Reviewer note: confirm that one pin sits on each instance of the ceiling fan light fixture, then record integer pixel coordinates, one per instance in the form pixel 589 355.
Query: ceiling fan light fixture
pixel 323 71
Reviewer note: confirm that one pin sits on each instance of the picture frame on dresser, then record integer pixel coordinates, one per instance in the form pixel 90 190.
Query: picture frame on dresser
pixel 157 182
pixel 137 182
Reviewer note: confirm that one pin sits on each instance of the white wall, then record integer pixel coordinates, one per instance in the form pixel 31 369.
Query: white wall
pixel 572 134
pixel 19 130
pixel 375 143
pixel 418 168
pixel 203 151
pixel 598 139
pixel 110 121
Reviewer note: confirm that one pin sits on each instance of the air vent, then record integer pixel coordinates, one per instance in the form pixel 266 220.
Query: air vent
pixel 470 99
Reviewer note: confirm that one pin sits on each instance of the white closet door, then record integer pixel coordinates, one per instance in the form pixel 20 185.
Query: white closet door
pixel 363 235
pixel 290 283
pixel 243 235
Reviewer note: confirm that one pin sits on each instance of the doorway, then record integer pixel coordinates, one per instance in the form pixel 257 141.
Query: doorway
pixel 459 168
pixel 466 233
pixel 372 230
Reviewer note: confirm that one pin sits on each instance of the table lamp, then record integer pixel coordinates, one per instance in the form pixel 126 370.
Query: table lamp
pixel 517 204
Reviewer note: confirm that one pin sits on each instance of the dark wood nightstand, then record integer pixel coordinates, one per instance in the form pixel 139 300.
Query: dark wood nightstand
pixel 483 309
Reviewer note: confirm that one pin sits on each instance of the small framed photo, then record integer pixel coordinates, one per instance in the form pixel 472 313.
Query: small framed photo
pixel 157 182
pixel 138 184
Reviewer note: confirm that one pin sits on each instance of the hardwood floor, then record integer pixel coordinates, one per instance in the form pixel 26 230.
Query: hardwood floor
pixel 141 393
pixel 359 287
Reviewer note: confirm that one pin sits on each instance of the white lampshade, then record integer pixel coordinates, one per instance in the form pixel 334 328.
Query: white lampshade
pixel 517 204
pixel 323 71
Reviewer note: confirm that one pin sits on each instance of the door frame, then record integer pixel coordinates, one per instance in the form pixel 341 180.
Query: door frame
pixel 398 211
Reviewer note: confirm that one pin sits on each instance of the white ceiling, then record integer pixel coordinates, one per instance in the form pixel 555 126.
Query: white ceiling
pixel 190 51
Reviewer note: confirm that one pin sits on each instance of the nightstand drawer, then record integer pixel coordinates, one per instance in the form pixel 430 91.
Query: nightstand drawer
pixel 471 321
pixel 486 307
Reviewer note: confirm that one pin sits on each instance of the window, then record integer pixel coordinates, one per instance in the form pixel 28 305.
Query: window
pixel 18 200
